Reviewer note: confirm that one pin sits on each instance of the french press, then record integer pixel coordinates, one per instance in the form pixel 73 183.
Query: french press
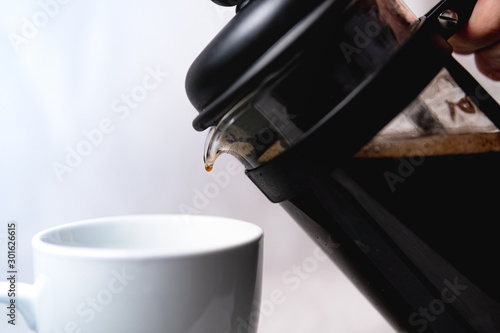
pixel 354 117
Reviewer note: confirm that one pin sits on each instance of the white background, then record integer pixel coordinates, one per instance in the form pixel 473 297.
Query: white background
pixel 65 79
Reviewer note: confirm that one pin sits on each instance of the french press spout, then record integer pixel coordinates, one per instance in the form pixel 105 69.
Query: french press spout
pixel 315 98
pixel 283 69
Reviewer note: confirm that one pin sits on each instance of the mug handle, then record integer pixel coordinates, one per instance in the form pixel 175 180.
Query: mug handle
pixel 21 298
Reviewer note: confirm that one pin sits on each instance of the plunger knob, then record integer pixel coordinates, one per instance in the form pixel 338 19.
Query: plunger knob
pixel 228 3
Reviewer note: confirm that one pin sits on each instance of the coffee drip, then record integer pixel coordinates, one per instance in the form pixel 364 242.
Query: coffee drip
pixel 254 131
pixel 272 117
pixel 443 120
pixel 354 117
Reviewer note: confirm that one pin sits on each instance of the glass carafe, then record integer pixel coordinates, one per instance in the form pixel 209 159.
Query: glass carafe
pixel 381 147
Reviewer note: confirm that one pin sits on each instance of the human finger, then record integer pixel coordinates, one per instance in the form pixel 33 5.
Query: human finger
pixel 488 61
pixel 482 29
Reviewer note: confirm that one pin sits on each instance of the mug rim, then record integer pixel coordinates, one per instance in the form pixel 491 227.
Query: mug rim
pixel 42 245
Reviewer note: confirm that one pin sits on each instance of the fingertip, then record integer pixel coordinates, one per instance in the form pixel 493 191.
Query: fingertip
pixel 481 31
pixel 488 66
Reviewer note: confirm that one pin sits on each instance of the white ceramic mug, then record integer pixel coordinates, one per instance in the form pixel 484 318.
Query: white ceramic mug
pixel 144 273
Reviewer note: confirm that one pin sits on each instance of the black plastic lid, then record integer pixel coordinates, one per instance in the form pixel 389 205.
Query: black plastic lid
pixel 256 42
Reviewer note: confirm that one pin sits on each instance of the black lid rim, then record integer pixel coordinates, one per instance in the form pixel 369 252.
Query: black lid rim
pixel 271 61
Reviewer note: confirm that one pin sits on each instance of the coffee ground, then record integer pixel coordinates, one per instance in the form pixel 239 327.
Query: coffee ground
pixel 436 145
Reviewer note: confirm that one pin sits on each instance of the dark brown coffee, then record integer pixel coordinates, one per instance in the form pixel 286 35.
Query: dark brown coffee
pixel 413 218
pixel 416 234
